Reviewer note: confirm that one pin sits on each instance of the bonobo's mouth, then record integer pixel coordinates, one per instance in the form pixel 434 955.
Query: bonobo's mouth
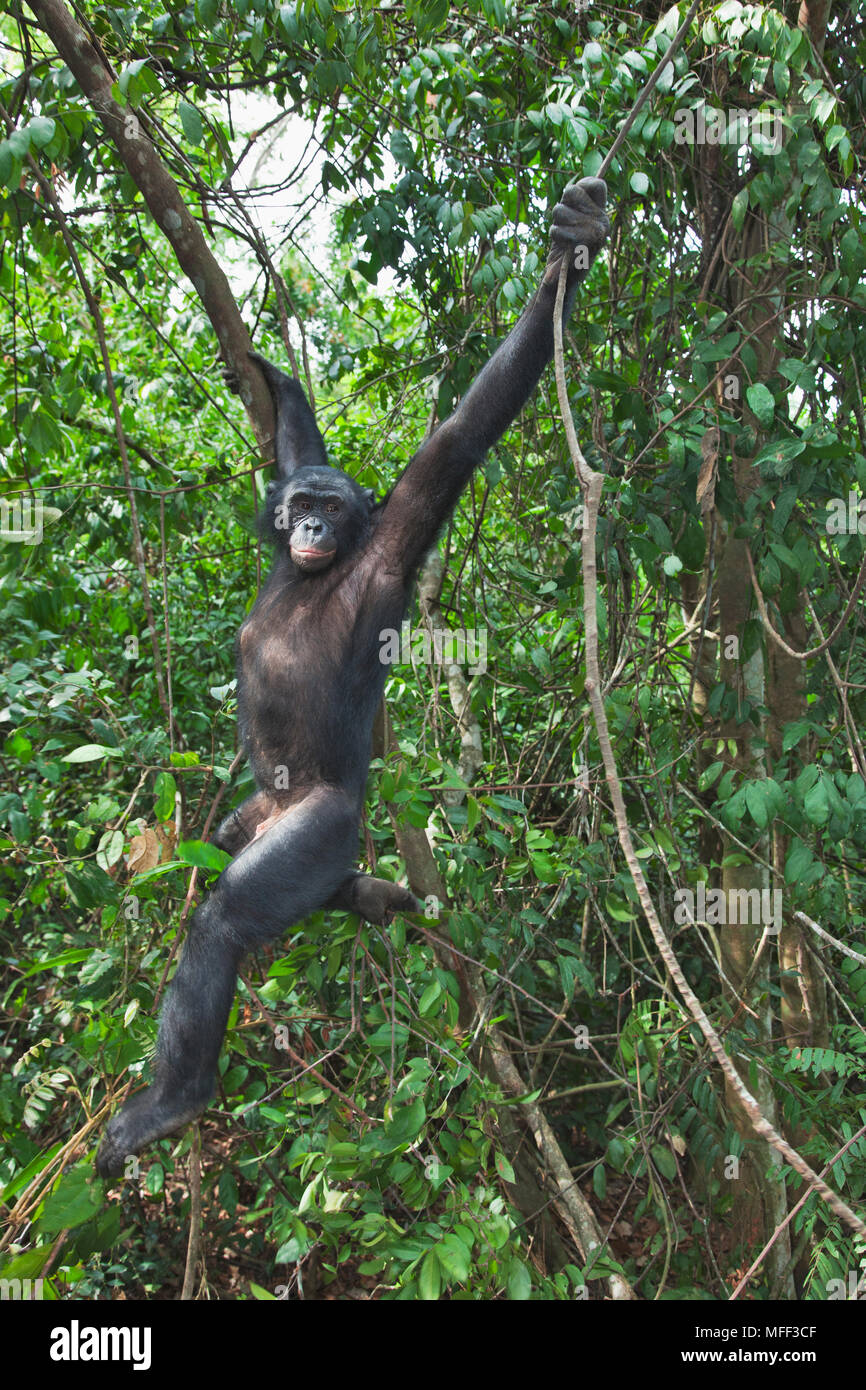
pixel 312 559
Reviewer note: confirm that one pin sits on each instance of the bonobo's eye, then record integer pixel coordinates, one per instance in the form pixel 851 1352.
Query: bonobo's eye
pixel 332 507
pixel 301 503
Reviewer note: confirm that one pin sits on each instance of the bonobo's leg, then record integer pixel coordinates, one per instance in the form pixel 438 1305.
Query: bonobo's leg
pixel 374 899
pixel 282 876
pixel 240 825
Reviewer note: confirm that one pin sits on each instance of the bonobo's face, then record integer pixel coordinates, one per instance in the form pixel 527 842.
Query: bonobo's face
pixel 319 514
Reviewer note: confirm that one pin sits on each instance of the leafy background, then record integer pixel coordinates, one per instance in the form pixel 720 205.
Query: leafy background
pixel 376 180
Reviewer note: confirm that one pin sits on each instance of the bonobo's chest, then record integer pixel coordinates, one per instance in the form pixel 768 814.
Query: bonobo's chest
pixel 312 636
pixel 311 675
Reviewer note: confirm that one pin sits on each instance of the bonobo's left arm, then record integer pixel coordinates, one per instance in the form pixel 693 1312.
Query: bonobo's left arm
pixel 428 490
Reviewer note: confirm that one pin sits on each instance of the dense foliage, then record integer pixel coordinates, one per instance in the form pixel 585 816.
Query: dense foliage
pixel 375 179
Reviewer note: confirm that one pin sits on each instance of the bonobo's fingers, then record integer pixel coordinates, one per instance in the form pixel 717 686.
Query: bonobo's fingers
pixel 244 823
pixel 231 834
pixel 374 899
pixel 580 224
pixel 596 188
pixel 231 380
pixel 396 899
pixel 272 375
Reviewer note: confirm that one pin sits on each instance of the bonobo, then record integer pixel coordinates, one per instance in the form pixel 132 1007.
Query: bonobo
pixel 311 679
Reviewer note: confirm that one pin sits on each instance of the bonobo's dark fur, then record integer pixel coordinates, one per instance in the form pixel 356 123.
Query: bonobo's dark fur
pixel 311 680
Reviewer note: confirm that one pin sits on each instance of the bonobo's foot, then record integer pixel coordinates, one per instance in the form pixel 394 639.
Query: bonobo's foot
pixel 374 899
pixel 146 1117
pixel 580 222
pixel 231 834
pixel 231 380
pixel 247 822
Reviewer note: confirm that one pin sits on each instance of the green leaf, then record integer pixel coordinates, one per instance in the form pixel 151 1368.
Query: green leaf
pixel 77 1197
pixel 519 1282
pixel 616 1154
pixel 798 861
pixel 10 166
pixel 794 733
pixel 756 801
pixel 709 775
pixel 88 753
pixel 639 183
pixel 202 855
pixel 664 1161
pixel 166 791
pixel 504 1168
pixel 454 1259
pixel 780 454
pixel 428 998
pixel 402 149
pixel 816 804
pixel 429 1277
pixel 110 849
pixel 99 963
pixel 71 957
pixel 41 131
pixel 739 207
pixel 618 909
pixel 855 789
pixel 762 403
pixel 19 142
pixel 19 746
pixel 190 119
pixel 154 1180
pixel 293 1249
pixel 406 1123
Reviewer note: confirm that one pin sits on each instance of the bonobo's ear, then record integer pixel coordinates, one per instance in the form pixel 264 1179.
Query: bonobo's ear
pixel 298 442
pixel 370 496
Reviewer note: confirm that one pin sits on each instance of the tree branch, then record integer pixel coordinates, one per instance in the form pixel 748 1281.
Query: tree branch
pixel 125 129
